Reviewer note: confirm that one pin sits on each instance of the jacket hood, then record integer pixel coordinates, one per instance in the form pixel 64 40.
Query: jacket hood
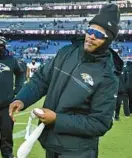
pixel 118 62
pixel 78 39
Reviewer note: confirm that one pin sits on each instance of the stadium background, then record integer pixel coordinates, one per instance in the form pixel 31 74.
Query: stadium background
pixel 39 29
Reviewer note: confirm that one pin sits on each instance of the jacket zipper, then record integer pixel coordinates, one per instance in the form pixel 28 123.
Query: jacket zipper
pixel 77 67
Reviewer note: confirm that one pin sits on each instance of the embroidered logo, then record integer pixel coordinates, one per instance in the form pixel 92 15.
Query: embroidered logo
pixel 109 23
pixel 87 78
pixel 3 67
pixel 115 95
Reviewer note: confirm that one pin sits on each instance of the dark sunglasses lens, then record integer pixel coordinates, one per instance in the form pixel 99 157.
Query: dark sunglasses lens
pixel 100 35
pixel 97 34
pixel 90 31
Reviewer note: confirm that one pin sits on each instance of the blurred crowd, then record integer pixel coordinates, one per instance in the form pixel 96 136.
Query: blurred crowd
pixel 44 49
pixel 57 26
pixel 62 6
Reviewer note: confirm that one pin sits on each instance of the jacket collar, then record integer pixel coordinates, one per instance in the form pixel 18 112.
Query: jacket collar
pixel 92 57
pixel 102 57
pixel 118 62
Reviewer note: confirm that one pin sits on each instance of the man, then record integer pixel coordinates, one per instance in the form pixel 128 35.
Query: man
pixel 8 68
pixel 23 67
pixel 80 84
pixel 129 84
pixel 31 68
pixel 122 95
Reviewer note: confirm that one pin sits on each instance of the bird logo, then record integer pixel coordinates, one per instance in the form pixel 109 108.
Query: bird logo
pixel 3 67
pixel 109 23
pixel 87 78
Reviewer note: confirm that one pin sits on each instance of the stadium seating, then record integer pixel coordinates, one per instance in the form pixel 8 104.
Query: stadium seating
pixel 29 49
pixel 48 47
pixel 50 25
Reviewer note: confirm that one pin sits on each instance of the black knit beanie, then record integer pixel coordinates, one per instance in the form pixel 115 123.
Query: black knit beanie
pixel 108 18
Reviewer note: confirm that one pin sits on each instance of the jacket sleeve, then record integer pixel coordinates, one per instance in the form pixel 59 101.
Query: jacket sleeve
pixel 126 78
pixel 19 76
pixel 99 120
pixel 38 85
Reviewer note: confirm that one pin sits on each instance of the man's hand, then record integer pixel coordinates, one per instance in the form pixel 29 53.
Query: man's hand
pixel 15 106
pixel 48 117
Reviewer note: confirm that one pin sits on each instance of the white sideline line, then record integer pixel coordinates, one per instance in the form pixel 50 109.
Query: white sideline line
pixel 25 124
pixel 20 123
pixel 22 113
pixel 21 134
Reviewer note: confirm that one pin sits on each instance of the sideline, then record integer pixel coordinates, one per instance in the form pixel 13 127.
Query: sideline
pixel 22 113
pixel 22 133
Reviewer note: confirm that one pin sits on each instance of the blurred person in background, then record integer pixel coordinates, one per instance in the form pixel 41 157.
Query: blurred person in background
pixel 31 68
pixel 23 67
pixel 8 68
pixel 122 97
pixel 80 85
pixel 129 84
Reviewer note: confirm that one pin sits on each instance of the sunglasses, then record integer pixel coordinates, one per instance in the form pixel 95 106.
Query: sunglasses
pixel 98 34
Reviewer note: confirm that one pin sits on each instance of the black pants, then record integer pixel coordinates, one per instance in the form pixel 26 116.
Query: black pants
pixel 122 97
pixel 130 99
pixel 86 154
pixel 6 142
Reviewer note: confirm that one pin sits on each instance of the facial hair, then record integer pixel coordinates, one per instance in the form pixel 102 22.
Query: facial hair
pixel 2 51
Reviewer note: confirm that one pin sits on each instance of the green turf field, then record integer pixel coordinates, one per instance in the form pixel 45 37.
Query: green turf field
pixel 117 143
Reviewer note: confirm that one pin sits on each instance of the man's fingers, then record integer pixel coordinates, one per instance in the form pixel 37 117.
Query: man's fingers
pixel 17 108
pixel 13 118
pixel 45 110
pixel 13 108
pixel 38 114
pixel 11 113
pixel 10 109
pixel 42 120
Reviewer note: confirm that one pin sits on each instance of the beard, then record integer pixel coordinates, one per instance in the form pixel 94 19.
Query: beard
pixel 2 52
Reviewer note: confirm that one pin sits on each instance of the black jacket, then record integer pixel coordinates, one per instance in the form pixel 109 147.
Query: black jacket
pixel 81 89
pixel 123 82
pixel 8 68
pixel 129 74
pixel 19 81
pixel 122 73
